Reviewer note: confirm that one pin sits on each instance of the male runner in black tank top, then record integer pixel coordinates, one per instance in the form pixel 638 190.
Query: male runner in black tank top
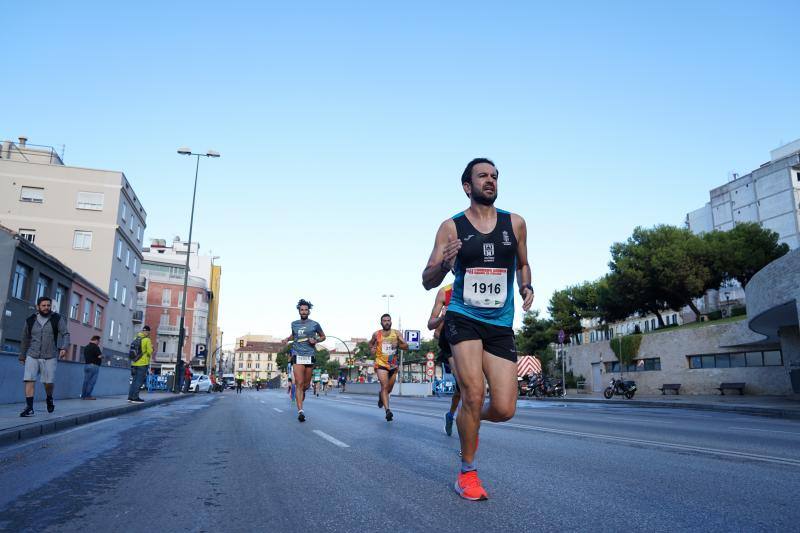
pixel 486 248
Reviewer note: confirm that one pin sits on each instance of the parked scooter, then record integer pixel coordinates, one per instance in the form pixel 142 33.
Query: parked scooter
pixel 619 387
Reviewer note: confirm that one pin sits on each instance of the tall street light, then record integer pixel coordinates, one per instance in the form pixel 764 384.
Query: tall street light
pixel 181 331
pixel 388 298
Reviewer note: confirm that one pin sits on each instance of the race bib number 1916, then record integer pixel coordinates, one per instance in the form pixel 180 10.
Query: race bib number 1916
pixel 485 287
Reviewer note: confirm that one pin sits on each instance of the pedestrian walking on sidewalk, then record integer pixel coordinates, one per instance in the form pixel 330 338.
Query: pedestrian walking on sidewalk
pixel 140 351
pixel 92 356
pixel 187 378
pixel 45 339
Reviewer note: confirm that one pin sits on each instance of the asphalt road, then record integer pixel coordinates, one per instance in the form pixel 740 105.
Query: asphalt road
pixel 244 463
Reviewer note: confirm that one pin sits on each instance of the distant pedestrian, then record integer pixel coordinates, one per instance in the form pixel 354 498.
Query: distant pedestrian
pixel 45 339
pixel 140 351
pixel 187 378
pixel 92 356
pixel 239 381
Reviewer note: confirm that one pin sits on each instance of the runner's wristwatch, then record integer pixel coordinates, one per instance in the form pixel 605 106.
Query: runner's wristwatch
pixel 526 286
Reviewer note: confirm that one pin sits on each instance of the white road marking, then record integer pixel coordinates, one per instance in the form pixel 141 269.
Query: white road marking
pixel 262 401
pixel 276 409
pixel 627 440
pixel 795 433
pixel 330 439
pixel 611 417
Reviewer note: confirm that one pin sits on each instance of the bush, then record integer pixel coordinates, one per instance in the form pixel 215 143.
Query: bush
pixel 571 380
pixel 626 348
pixel 739 311
pixel 715 315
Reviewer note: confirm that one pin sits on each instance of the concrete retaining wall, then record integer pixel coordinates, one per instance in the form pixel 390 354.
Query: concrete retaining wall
pixel 409 389
pixel 672 347
pixel 68 382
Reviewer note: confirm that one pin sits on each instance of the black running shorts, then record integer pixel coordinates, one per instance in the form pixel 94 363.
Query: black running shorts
pixel 497 340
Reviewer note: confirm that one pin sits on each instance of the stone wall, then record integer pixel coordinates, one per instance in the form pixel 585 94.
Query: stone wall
pixel 672 346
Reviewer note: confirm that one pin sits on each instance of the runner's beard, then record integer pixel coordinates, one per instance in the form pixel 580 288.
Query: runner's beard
pixel 482 198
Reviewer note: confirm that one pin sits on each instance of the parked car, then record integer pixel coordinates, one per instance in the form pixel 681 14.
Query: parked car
pixel 200 383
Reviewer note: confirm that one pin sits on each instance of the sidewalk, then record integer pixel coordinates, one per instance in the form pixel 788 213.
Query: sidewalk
pixel 70 413
pixel 776 406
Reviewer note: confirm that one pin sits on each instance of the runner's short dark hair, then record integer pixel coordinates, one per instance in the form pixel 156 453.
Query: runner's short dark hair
pixel 386 315
pixel 304 302
pixel 41 299
pixel 467 174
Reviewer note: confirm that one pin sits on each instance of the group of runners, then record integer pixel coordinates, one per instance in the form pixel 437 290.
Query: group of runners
pixel 486 250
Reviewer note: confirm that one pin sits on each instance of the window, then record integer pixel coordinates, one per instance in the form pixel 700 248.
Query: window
pixel 124 294
pixel 42 286
pixel 92 201
pixel 28 234
pixel 653 324
pixel 241 365
pixel 130 226
pixel 19 287
pixel 87 311
pixel 114 289
pixel 135 268
pixel 166 296
pixel 111 331
pixel 638 365
pixel 82 240
pixel 258 366
pixel 180 298
pixel 59 298
pixel 138 232
pixel 119 332
pixel 249 366
pixel 98 316
pixel 736 360
pixel 124 210
pixel 119 249
pixel 74 304
pixel 175 272
pixel 773 358
pixel 128 258
pixel 34 195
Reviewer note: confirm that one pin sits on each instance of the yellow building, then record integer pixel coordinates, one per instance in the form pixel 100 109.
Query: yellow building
pixel 257 360
pixel 214 333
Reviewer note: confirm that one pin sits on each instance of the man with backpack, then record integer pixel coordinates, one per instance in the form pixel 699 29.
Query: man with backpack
pixel 140 351
pixel 45 340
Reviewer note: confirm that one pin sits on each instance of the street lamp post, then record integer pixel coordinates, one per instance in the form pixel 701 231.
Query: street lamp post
pixel 181 331
pixel 346 347
pixel 388 299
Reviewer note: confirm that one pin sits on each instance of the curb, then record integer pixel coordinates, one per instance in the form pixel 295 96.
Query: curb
pixel 775 412
pixel 30 431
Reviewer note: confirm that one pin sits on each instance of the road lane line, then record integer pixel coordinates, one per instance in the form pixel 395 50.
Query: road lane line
pixel 626 440
pixel 276 409
pixel 795 433
pixel 262 401
pixel 330 439
pixel 611 417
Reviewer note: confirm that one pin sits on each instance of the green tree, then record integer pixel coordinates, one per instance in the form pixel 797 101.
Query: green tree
pixel 739 253
pixel 569 306
pixel 362 351
pixel 332 368
pixel 536 334
pixel 282 359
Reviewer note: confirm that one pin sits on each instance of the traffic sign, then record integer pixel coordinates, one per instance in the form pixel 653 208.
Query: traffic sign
pixel 429 372
pixel 411 337
pixel 430 364
pixel 561 336
pixel 430 356
pixel 200 351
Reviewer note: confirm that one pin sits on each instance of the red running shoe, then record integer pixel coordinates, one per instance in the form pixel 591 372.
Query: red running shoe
pixel 469 487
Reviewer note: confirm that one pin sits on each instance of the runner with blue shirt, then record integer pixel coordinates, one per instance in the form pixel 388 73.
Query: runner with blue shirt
pixel 305 335
pixel 486 248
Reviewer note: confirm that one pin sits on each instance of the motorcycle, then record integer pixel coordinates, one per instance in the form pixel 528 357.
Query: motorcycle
pixel 538 386
pixel 620 388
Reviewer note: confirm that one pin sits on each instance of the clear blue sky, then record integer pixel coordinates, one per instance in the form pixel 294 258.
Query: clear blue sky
pixel 343 130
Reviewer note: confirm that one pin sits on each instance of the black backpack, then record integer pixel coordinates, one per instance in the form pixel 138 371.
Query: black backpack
pixel 55 318
pixel 135 350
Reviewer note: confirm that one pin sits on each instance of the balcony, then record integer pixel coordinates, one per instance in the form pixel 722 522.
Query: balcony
pixel 138 317
pixel 141 283
pixel 166 329
pixel 165 357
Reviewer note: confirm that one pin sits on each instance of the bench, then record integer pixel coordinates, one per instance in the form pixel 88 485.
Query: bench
pixel 670 386
pixel 731 386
